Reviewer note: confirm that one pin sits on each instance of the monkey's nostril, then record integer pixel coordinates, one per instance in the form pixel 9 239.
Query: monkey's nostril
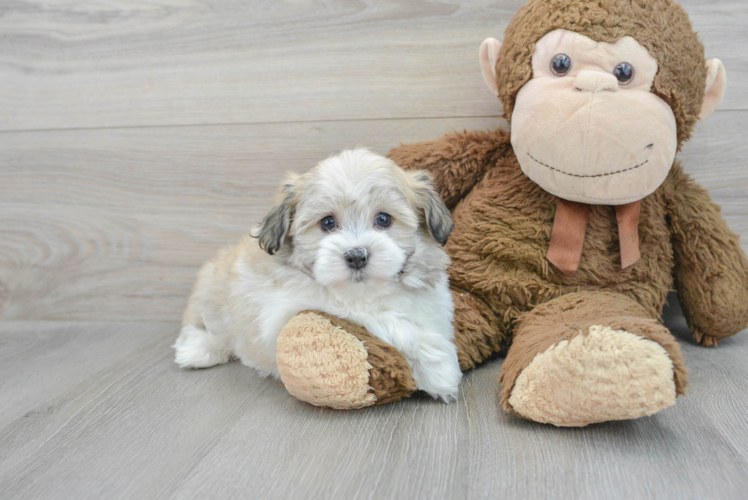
pixel 356 258
pixel 649 146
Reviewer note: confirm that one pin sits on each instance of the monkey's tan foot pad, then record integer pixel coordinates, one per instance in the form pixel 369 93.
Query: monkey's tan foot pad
pixel 598 376
pixel 330 362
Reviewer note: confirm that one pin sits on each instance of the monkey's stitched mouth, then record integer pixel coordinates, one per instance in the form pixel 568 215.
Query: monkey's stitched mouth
pixel 588 176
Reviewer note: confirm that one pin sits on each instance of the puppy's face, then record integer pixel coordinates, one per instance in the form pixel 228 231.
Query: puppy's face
pixel 357 219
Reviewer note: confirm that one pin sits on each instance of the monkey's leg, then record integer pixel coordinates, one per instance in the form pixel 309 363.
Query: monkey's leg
pixel 479 334
pixel 590 357
pixel 327 361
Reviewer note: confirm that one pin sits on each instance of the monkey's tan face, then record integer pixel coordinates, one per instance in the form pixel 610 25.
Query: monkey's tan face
pixel 587 128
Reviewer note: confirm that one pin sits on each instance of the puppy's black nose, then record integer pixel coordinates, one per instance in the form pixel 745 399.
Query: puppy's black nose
pixel 356 258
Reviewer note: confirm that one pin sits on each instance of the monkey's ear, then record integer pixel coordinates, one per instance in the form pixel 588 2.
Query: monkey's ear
pixel 489 56
pixel 436 214
pixel 276 224
pixel 716 81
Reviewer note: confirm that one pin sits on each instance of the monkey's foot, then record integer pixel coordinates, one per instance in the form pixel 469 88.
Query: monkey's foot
pixel 597 376
pixel 330 362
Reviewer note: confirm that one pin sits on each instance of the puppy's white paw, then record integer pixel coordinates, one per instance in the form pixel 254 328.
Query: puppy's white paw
pixel 436 369
pixel 198 348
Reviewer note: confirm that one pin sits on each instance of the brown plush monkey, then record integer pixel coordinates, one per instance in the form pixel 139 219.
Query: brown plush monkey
pixel 569 231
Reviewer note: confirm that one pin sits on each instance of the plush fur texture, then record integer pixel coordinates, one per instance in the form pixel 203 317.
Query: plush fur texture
pixel 570 315
pixel 325 361
pixel 390 376
pixel 502 230
pixel 599 375
pixel 585 137
pixel 340 380
pixel 500 274
pixel 597 332
pixel 711 273
pixel 662 26
pixel 245 296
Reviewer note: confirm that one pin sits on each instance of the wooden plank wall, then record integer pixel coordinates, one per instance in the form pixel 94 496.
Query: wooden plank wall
pixel 137 137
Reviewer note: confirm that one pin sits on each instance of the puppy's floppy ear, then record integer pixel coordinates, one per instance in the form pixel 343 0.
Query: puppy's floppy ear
pixel 276 224
pixel 436 214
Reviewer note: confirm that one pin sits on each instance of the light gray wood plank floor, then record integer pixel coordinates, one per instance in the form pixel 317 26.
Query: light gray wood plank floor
pixel 99 410
pixel 138 137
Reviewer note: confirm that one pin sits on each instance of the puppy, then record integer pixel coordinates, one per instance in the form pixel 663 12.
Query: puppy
pixel 356 237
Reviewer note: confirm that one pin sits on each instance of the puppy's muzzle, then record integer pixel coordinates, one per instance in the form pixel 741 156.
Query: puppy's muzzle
pixel 357 258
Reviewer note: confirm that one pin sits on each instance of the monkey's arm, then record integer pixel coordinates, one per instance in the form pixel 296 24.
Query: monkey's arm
pixel 711 270
pixel 456 161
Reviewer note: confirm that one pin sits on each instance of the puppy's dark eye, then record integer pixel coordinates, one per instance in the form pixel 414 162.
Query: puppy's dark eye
pixel 624 72
pixel 561 64
pixel 383 220
pixel 328 223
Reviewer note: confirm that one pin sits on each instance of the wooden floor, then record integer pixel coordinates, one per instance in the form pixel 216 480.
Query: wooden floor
pixel 99 410
pixel 138 137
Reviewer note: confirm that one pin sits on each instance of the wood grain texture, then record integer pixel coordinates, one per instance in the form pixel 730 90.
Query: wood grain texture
pixel 113 224
pixel 138 137
pixel 73 64
pixel 133 425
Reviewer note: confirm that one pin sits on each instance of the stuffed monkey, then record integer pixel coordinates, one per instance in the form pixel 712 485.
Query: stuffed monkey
pixel 569 230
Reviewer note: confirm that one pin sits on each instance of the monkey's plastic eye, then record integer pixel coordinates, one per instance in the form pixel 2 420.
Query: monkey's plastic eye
pixel 561 64
pixel 328 223
pixel 383 220
pixel 624 72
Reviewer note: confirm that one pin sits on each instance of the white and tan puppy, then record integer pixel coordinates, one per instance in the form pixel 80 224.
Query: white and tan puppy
pixel 356 237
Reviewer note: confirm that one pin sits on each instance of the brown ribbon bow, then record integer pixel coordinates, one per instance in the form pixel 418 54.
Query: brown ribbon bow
pixel 570 226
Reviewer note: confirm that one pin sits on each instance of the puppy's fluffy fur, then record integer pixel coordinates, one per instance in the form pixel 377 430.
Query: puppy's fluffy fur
pixel 245 296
